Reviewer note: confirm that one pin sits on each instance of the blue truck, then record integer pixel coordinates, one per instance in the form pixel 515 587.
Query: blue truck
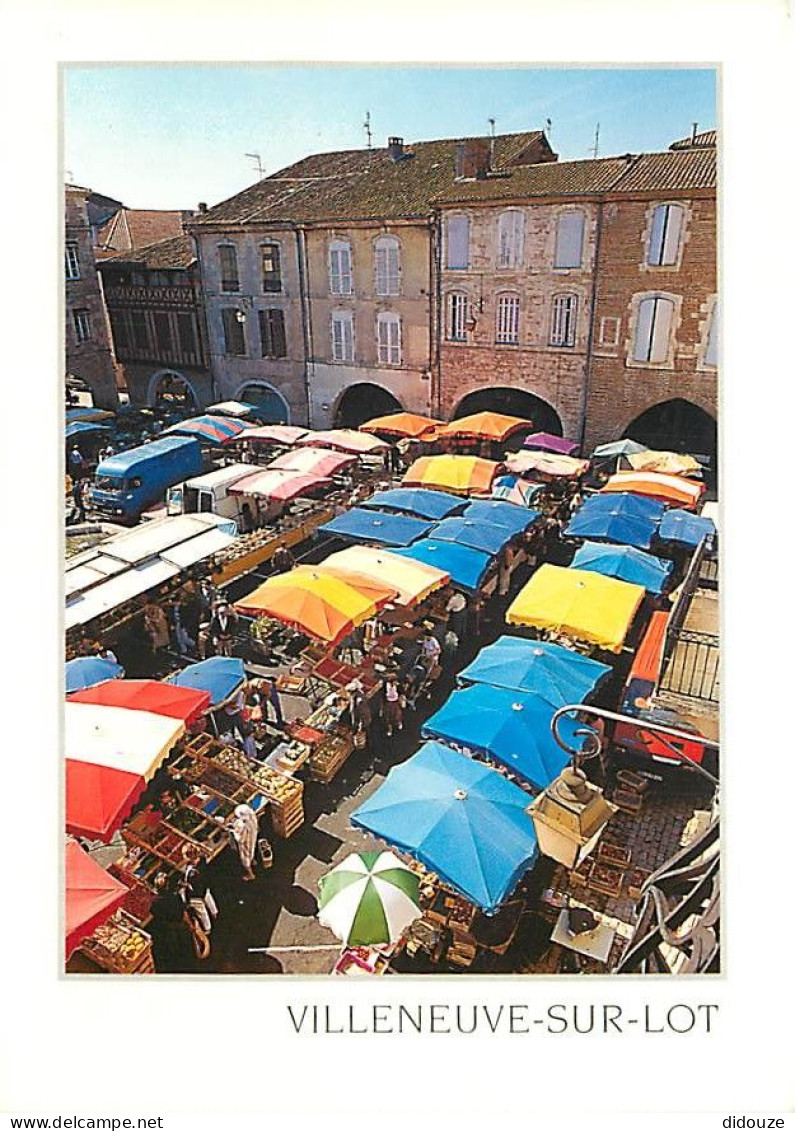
pixel 125 485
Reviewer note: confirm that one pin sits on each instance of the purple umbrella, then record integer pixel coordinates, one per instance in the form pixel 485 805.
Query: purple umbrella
pixel 544 442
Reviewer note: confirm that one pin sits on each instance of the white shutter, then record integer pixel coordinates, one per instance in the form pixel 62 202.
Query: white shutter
pixel 661 331
pixel 340 268
pixel 666 232
pixel 643 329
pixel 711 354
pixel 342 337
pixel 387 266
pixel 673 231
pixel 657 236
pixel 568 245
pixel 510 232
pixel 458 243
pixel 559 321
pixel 389 339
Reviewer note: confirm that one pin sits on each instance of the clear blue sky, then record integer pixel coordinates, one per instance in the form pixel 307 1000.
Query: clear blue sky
pixel 159 136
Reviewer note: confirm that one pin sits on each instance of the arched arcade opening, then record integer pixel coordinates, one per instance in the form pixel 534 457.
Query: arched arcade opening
pixel 512 402
pixel 360 403
pixel 170 390
pixel 274 409
pixel 677 426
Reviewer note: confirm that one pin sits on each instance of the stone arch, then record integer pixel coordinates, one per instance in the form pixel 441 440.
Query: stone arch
pixel 677 425
pixel 266 397
pixel 513 402
pixel 164 386
pixel 361 402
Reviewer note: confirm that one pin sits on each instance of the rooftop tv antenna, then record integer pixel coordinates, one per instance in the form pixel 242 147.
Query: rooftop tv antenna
pixel 595 147
pixel 260 167
pixel 367 130
pixel 548 127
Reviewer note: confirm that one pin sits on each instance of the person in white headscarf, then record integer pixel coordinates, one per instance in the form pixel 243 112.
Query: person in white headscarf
pixel 244 829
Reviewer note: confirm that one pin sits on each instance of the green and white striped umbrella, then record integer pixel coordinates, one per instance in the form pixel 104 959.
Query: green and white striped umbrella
pixel 369 899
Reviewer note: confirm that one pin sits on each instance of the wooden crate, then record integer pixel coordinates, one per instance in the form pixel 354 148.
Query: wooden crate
pixel 605 879
pixel 329 756
pixel 628 801
pixel 608 853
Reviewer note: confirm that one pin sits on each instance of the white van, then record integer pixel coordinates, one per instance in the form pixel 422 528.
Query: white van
pixel 209 494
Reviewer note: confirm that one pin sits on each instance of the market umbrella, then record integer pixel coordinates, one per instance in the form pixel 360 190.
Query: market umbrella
pixel 685 529
pixel 286 434
pixel 313 461
pixel 545 442
pixel 626 563
pixel 513 489
pixel 362 525
pixel 466 567
pixel 461 819
pixel 220 676
pixel 494 426
pixel 318 604
pixel 557 466
pixel 280 485
pixel 670 463
pixel 211 429
pixel 558 674
pixel 99 798
pixel 84 428
pixel 369 899
pixel 135 742
pixel 344 440
pixel 183 703
pixel 412 581
pixel 92 895
pixel 665 488
pixel 403 424
pixel 587 606
pixel 88 671
pixel 233 408
pixel 508 516
pixel 477 533
pixel 463 475
pixel 415 500
pixel 88 414
pixel 618 448
pixel 512 726
pixel 625 518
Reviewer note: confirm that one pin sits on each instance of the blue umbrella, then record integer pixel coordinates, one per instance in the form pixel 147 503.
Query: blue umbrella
pixel 626 563
pixel 462 819
pixel 511 726
pixel 476 535
pixel 684 528
pixel 360 525
pixel 467 567
pixel 619 448
pixel 415 500
pixel 83 427
pixel 508 516
pixel 558 674
pixel 220 675
pixel 88 671
pixel 617 517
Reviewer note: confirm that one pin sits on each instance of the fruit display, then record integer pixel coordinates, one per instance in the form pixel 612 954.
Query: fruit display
pixel 185 821
pixel 120 946
pixel 329 756
pixel 234 760
pixel 219 781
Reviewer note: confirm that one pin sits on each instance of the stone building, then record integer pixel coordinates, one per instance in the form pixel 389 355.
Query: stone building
pixel 88 353
pixel 654 366
pixel 154 302
pixel 128 229
pixel 320 280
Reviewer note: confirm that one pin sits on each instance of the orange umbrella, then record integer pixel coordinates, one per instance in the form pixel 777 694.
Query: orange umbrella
pixel 405 424
pixel 464 475
pixel 323 604
pixel 483 426
pixel 666 488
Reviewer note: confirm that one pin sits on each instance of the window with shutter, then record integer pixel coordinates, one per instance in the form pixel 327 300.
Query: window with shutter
pixel 340 268
pixel 271 269
pixel 458 243
pixel 387 266
pixel 563 331
pixel 711 352
pixel 228 261
pixel 457 315
pixel 510 233
pixel 72 261
pixel 653 330
pixel 569 238
pixel 234 334
pixel 666 231
pixel 82 325
pixel 388 339
pixel 342 336
pixel 508 320
pixel 272 334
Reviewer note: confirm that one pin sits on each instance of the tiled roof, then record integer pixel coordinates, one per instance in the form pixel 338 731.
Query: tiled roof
pixel 176 254
pixel 670 172
pixel 358 184
pixel 706 140
pixel 138 227
pixel 561 178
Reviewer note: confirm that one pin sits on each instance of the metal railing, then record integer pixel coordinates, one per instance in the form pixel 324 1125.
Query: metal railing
pixel 693 668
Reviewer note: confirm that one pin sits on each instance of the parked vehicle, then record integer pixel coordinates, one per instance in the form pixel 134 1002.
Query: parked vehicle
pixel 209 494
pixel 129 482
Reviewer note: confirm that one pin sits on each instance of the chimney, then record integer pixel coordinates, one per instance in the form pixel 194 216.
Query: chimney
pixel 473 158
pixel 395 148
pixel 695 131
pixel 202 207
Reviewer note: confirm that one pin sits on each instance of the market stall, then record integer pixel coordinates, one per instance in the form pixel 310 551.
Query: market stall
pixel 401 425
pixel 673 490
pixel 419 501
pixel 92 896
pixel 88 671
pixel 667 463
pixel 491 427
pixel 625 563
pixel 466 567
pixel 558 674
pixel 314 461
pixel 380 527
pixel 460 475
pixel 344 440
pixel 624 518
pixel 683 528
pixel 216 430
pixel 554 466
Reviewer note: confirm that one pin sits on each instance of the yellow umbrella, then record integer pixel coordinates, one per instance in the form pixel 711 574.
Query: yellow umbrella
pixel 412 581
pixel 464 475
pixel 320 604
pixel 578 603
pixel 671 463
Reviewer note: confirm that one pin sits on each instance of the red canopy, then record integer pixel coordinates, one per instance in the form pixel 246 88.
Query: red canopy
pixel 98 798
pixel 91 896
pixel 147 695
